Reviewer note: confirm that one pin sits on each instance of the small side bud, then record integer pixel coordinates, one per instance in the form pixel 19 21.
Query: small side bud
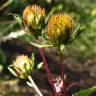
pixel 22 67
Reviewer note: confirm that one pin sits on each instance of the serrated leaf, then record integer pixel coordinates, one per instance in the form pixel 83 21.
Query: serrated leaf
pixel 86 92
pixel 40 46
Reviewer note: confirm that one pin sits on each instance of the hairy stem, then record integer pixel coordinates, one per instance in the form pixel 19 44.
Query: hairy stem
pixel 35 86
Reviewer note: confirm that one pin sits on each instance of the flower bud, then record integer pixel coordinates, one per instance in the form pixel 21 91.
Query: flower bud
pixel 60 29
pixel 33 17
pixel 22 66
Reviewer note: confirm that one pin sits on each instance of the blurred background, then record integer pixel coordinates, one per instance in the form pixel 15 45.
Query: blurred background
pixel 79 57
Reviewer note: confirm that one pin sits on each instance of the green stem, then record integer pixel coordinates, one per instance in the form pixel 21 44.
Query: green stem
pixel 35 86
pixel 62 74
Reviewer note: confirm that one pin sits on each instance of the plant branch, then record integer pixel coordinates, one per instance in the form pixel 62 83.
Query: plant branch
pixel 35 86
pixel 50 76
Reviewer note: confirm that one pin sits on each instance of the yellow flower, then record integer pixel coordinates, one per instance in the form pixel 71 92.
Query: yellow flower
pixel 60 29
pixel 33 17
pixel 22 66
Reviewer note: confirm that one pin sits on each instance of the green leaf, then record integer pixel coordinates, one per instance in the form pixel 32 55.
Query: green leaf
pixel 50 14
pixel 86 92
pixel 40 46
pixel 77 32
pixel 12 71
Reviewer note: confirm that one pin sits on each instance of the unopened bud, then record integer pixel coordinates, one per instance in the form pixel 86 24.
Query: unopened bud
pixel 60 29
pixel 22 66
pixel 33 17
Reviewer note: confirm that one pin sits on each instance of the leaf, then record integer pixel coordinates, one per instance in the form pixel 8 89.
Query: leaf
pixel 12 71
pixel 77 32
pixel 40 46
pixel 86 92
pixel 50 14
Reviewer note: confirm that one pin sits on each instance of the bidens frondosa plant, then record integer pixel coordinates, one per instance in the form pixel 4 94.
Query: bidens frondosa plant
pixel 57 30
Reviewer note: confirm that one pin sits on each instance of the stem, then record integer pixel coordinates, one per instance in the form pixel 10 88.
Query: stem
pixel 50 76
pixel 34 86
pixel 62 74
pixel 5 4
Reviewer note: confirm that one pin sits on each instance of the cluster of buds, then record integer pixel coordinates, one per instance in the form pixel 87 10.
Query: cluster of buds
pixel 60 29
pixel 22 67
pixel 33 18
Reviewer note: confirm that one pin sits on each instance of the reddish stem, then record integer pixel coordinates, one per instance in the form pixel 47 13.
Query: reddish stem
pixel 49 75
pixel 73 85
pixel 62 74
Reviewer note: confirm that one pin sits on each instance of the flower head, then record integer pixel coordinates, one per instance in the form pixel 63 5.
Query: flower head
pixel 60 29
pixel 22 66
pixel 33 17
